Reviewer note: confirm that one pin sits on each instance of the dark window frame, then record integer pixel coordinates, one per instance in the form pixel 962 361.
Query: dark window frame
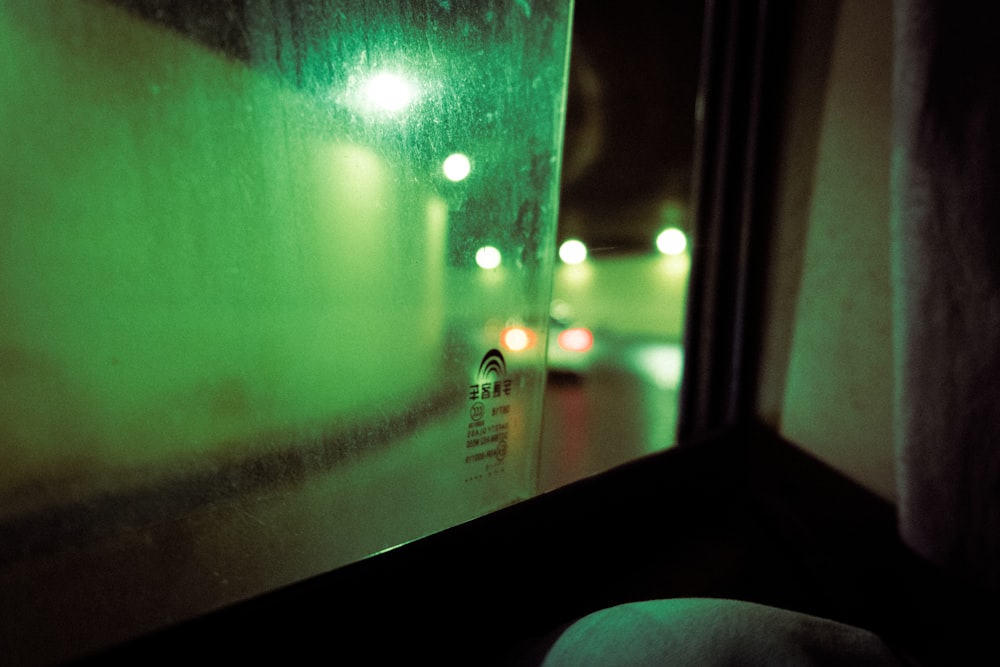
pixel 739 115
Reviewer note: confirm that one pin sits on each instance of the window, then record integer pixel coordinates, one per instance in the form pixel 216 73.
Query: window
pixel 285 285
pixel 257 263
pixel 625 232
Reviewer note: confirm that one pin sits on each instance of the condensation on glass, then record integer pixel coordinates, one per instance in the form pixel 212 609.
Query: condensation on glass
pixel 256 261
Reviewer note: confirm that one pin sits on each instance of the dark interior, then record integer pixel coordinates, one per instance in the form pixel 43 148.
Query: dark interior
pixel 742 515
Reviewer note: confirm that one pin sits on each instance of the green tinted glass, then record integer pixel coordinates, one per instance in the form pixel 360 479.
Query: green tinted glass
pixel 274 284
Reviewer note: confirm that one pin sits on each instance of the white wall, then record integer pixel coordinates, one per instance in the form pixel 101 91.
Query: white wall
pixel 826 380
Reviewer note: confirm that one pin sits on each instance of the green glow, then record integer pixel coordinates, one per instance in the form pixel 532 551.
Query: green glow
pixel 560 309
pixel 217 238
pixel 663 363
pixel 456 167
pixel 642 294
pixel 488 257
pixel 672 214
pixel 251 264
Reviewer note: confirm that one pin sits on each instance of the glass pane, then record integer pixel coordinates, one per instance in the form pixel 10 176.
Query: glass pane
pixel 615 353
pixel 274 281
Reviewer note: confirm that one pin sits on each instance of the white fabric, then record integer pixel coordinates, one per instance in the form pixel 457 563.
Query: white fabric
pixel 699 632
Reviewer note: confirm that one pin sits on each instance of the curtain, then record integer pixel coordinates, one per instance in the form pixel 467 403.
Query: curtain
pixel 946 281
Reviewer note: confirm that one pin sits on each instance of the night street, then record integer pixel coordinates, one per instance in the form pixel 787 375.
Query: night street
pixel 623 409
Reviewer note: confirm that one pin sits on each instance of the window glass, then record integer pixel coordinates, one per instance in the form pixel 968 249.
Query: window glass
pixel 274 279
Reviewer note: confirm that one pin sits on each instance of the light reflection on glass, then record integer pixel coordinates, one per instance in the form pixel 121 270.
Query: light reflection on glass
pixel 456 167
pixel 389 92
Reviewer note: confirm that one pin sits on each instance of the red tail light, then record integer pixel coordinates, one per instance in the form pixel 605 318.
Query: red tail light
pixel 578 339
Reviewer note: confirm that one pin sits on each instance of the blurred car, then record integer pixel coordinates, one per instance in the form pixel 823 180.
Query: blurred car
pixel 572 348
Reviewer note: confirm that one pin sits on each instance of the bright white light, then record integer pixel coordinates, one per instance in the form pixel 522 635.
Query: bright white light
pixel 573 252
pixel 389 92
pixel 671 241
pixel 488 257
pixel 456 167
pixel 517 339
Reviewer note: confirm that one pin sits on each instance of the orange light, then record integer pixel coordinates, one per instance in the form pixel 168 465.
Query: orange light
pixel 517 339
pixel 578 339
